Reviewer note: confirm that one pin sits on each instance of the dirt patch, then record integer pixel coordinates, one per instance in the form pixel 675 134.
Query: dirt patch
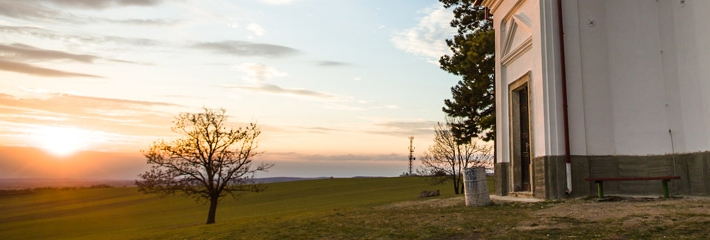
pixel 626 212
pixel 428 203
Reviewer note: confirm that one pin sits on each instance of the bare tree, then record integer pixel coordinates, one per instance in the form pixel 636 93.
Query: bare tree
pixel 208 162
pixel 446 160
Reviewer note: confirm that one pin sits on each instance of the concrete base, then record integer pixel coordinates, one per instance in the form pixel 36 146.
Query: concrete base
pixel 549 175
pixel 501 179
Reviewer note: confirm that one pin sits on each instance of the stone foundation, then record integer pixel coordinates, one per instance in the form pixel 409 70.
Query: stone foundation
pixel 549 175
pixel 501 178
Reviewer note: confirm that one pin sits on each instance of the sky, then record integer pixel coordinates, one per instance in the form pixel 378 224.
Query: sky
pixel 337 87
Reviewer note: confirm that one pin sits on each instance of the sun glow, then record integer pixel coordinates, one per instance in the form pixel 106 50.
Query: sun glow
pixel 61 141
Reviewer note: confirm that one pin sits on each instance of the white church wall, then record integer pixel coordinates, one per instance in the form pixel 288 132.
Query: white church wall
pixel 548 114
pixel 643 72
pixel 515 68
pixel 575 89
pixel 635 70
pixel 693 59
pixel 637 83
pixel 597 128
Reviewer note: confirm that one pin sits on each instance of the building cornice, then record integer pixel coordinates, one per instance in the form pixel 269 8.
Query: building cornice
pixel 517 52
pixel 492 4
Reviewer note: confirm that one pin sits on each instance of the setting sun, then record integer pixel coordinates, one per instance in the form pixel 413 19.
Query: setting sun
pixel 61 141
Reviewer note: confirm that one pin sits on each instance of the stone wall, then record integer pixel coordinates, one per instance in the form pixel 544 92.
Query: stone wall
pixel 549 177
pixel 501 179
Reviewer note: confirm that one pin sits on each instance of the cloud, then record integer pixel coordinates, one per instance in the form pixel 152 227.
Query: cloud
pixel 321 130
pixel 273 89
pixel 39 71
pixel 331 63
pixel 409 125
pixel 83 39
pixel 342 107
pixel 72 104
pixel 29 10
pixel 101 4
pixel 144 22
pixel 15 56
pixel 256 29
pixel 55 10
pixel 402 128
pixel 427 38
pixel 334 157
pixel 129 120
pixel 247 49
pixel 256 72
pixel 22 51
pixel 277 2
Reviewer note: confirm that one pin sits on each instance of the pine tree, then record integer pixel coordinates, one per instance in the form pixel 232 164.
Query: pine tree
pixel 473 58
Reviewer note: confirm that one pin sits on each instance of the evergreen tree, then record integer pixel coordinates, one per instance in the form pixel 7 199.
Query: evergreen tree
pixel 473 59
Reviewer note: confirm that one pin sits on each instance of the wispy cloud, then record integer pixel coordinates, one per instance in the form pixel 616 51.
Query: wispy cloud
pixel 39 71
pixel 321 129
pixel 258 74
pixel 30 10
pixel 277 2
pixel 334 157
pixel 256 29
pixel 273 89
pixel 123 117
pixel 331 63
pixel 21 51
pixel 101 4
pixel 83 39
pixel 405 128
pixel 246 49
pixel 70 104
pixel 14 58
pixel 55 10
pixel 144 22
pixel 427 38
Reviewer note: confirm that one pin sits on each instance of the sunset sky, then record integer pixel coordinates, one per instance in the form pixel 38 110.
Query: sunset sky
pixel 336 86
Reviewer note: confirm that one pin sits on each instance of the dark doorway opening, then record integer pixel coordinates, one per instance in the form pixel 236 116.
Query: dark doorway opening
pixel 520 138
pixel 524 129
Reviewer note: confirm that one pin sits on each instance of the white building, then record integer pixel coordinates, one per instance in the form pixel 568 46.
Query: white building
pixel 637 75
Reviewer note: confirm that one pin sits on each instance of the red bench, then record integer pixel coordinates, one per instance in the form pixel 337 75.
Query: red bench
pixel 600 186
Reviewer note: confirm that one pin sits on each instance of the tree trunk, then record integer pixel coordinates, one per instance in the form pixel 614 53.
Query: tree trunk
pixel 213 209
pixel 456 185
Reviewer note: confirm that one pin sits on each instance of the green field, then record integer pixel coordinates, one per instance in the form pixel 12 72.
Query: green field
pixel 359 208
pixel 125 213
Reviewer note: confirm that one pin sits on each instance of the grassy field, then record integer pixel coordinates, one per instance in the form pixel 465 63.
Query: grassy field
pixel 124 213
pixel 363 208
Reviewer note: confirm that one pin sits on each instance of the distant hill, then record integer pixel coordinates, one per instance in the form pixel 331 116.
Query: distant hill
pixel 285 179
pixel 23 183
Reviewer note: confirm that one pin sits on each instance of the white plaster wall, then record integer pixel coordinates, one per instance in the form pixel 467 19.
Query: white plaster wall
pixel 641 66
pixel 575 88
pixel 690 23
pixel 547 99
pixel 507 74
pixel 636 76
pixel 635 70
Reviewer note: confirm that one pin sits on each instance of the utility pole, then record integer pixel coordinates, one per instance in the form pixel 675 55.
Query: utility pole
pixel 411 154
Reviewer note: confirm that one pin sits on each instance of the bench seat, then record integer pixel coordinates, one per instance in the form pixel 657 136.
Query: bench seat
pixel 600 181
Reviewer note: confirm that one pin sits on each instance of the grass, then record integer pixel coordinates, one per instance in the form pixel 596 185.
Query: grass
pixel 121 213
pixel 364 208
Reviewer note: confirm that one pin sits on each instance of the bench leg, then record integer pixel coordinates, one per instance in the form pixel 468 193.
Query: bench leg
pixel 600 189
pixel 665 188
